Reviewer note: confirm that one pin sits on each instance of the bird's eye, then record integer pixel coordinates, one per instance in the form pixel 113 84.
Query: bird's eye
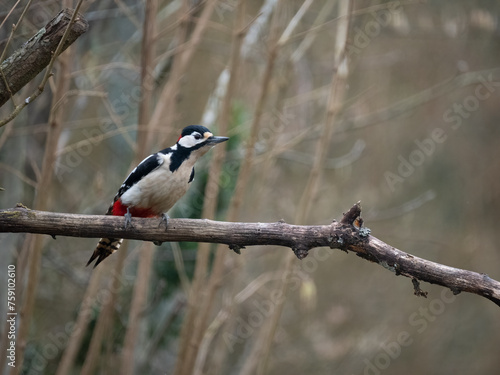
pixel 197 136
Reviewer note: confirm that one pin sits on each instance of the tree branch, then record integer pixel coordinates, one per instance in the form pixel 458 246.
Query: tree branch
pixel 34 55
pixel 300 238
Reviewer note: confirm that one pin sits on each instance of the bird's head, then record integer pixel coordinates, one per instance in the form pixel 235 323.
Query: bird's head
pixel 197 137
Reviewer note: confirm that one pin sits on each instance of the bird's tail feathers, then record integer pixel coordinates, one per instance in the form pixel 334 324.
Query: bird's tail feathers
pixel 105 248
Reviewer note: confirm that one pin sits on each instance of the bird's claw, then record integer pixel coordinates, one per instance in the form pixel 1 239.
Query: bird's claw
pixel 164 220
pixel 128 219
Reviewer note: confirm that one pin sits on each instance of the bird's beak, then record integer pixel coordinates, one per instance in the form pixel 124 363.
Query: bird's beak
pixel 214 140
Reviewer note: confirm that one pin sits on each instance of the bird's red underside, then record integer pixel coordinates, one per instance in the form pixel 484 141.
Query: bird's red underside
pixel 119 209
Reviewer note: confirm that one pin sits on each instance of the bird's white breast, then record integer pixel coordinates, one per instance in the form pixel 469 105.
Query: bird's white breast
pixel 160 189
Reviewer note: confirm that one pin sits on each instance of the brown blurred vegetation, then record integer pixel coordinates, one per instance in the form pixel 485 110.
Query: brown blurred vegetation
pixel 409 69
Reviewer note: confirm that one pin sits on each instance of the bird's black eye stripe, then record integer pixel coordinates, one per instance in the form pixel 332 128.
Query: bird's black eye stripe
pixel 197 136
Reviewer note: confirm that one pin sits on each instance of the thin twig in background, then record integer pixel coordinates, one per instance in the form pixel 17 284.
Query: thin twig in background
pixel 14 27
pixel 187 352
pixel 215 278
pixel 411 102
pixel 208 334
pixel 311 190
pixel 19 175
pixel 139 297
pixel 265 180
pixel 147 80
pixel 161 331
pixel 6 133
pixel 137 305
pixel 180 268
pixel 8 15
pixel 241 185
pixel 141 286
pixel 198 32
pixel 118 122
pixel 129 13
pixel 164 113
pixel 21 264
pixel 103 326
pixel 256 353
pixel 81 324
pixel 312 32
pixel 41 201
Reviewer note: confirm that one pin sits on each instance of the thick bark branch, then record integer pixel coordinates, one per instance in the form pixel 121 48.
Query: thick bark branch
pixel 300 238
pixel 34 55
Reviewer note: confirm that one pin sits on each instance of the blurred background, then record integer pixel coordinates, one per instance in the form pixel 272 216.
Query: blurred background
pixel 394 104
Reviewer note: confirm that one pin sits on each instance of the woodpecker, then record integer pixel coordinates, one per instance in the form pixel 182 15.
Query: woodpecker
pixel 157 183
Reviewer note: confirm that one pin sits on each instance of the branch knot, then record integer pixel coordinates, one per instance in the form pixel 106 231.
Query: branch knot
pixel 300 251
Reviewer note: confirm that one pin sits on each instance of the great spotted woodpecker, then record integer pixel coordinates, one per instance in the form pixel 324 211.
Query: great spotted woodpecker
pixel 157 183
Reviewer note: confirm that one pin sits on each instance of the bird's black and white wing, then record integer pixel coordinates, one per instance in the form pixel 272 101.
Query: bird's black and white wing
pixel 144 168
